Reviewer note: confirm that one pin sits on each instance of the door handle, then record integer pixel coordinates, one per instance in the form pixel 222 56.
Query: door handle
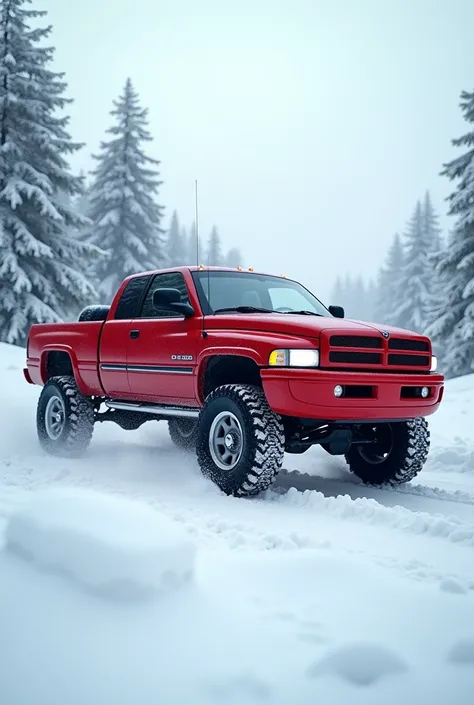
pixel 134 333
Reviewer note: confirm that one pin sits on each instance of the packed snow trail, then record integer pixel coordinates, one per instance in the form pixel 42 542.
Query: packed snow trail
pixel 317 586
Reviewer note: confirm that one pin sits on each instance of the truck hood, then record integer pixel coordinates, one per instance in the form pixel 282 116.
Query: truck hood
pixel 303 326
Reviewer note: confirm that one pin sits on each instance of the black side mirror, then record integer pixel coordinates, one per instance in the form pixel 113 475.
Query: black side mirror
pixel 336 311
pixel 170 300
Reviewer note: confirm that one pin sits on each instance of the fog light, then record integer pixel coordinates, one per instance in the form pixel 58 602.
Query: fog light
pixel 425 392
pixel 338 390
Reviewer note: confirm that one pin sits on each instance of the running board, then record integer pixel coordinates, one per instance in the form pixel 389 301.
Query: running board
pixel 155 409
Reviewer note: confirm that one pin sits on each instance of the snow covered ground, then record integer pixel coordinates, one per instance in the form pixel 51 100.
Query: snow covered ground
pixel 319 591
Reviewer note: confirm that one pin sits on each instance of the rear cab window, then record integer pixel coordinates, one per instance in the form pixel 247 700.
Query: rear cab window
pixel 130 301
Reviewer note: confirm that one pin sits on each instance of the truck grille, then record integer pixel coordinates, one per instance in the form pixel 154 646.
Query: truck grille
pixel 404 344
pixel 364 358
pixel 409 360
pixel 355 341
pixel 370 352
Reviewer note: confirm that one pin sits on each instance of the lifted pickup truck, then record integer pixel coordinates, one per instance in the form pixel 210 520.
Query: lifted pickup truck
pixel 244 367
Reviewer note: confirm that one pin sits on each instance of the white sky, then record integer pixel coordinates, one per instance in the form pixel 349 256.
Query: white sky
pixel 312 126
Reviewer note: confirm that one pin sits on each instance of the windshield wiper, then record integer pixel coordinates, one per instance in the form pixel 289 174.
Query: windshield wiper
pixel 244 309
pixel 305 313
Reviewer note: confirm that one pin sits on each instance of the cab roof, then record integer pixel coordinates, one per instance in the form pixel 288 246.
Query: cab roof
pixel 205 268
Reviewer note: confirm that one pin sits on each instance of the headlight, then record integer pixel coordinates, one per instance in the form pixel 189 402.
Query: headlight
pixel 294 358
pixel 434 364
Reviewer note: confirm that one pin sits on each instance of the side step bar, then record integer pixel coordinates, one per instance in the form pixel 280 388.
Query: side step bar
pixel 155 409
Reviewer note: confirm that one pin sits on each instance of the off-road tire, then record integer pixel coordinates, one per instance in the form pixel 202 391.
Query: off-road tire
pixel 411 443
pixel 263 440
pixel 184 433
pixel 76 432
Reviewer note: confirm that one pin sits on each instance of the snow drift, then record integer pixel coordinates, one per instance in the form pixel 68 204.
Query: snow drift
pixel 111 545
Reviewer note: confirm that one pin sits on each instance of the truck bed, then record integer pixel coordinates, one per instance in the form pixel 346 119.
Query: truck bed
pixel 79 340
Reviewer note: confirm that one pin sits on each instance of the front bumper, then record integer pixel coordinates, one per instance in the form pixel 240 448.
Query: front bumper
pixel 309 394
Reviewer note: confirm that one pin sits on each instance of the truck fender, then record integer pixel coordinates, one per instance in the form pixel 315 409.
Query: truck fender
pixel 206 355
pixel 61 347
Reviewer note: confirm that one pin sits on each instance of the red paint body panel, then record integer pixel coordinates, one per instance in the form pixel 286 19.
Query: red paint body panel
pixel 79 340
pixel 166 363
pixel 310 394
pixel 158 341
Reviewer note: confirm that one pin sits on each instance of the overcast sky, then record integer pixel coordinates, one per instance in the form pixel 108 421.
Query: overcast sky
pixel 312 127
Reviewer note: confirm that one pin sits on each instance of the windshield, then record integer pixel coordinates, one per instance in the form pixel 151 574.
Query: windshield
pixel 228 291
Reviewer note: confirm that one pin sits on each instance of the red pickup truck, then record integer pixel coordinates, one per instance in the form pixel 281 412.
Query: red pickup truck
pixel 244 366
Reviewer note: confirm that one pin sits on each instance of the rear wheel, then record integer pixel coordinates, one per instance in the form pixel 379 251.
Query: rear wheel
pixel 396 455
pixel 241 440
pixel 183 433
pixel 64 418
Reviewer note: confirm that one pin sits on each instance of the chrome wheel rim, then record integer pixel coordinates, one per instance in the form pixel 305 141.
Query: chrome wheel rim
pixel 55 417
pixel 226 440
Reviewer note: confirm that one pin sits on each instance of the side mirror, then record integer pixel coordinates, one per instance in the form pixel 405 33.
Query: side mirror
pixel 336 311
pixel 170 300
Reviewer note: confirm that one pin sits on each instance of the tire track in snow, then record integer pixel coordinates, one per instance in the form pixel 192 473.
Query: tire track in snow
pixel 214 532
pixel 306 481
pixel 369 511
pixel 342 507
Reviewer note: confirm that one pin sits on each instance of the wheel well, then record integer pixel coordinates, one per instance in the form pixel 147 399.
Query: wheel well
pixel 230 369
pixel 58 362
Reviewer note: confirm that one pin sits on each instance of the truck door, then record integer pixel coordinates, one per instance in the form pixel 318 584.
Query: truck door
pixel 115 337
pixel 161 352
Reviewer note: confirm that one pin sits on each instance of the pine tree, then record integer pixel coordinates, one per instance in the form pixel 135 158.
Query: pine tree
pixel 82 201
pixel 438 283
pixel 455 322
pixel 176 246
pixel 192 250
pixel 432 231
pixel 337 295
pixel 411 308
pixel 389 285
pixel 41 265
pixel 359 297
pixel 126 218
pixel 348 296
pixel 214 249
pixel 185 244
pixel 233 258
pixel 369 301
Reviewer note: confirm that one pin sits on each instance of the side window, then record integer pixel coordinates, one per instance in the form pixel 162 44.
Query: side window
pixel 129 302
pixel 173 280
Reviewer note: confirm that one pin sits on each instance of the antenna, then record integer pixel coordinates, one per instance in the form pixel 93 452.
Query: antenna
pixel 196 232
pixel 196 221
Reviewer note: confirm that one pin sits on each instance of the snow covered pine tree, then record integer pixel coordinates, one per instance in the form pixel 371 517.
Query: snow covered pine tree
pixel 389 292
pixel 125 217
pixel 41 265
pixel 411 311
pixel 176 243
pixel 455 322
pixel 233 258
pixel 214 249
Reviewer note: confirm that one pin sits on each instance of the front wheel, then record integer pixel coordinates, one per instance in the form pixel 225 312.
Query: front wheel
pixel 241 441
pixel 396 454
pixel 64 418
